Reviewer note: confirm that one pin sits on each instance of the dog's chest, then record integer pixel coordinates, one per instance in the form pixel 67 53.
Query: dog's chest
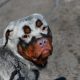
pixel 10 67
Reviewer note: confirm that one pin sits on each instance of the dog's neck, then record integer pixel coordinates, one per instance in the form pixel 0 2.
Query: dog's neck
pixel 13 47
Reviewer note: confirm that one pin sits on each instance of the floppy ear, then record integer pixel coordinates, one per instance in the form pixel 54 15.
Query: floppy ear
pixel 6 37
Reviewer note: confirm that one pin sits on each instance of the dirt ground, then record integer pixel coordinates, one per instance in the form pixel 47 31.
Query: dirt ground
pixel 63 17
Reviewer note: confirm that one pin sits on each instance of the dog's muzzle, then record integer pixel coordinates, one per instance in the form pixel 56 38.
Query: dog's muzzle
pixel 36 51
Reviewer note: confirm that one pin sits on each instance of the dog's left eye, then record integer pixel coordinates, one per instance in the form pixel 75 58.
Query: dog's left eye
pixel 39 23
pixel 26 29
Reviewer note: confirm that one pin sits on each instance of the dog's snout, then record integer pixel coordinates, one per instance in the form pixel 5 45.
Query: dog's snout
pixel 42 42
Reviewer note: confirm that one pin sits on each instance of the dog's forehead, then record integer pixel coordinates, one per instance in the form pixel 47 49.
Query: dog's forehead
pixel 30 21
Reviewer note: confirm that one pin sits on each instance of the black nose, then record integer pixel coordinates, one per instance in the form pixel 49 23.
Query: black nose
pixel 61 78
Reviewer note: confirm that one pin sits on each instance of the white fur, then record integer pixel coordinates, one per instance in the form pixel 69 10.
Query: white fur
pixel 17 27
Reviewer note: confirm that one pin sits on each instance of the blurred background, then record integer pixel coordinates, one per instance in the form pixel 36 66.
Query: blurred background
pixel 63 17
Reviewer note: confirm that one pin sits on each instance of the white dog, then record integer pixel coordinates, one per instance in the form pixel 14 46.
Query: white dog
pixel 27 44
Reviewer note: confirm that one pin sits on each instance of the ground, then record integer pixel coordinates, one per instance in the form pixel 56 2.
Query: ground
pixel 63 17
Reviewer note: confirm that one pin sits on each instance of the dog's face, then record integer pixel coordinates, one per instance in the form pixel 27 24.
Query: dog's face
pixel 32 37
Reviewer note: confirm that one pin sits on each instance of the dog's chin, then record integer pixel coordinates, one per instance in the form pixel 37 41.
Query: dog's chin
pixel 42 60
pixel 41 63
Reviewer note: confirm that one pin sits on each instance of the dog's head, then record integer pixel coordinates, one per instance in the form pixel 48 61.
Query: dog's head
pixel 31 38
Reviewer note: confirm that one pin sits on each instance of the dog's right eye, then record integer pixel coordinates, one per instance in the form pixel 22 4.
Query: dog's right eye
pixel 26 29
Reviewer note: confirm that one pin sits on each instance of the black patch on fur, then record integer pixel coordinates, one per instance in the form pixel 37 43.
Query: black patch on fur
pixel 49 34
pixel 39 23
pixel 26 29
pixel 41 66
pixel 24 44
pixel 61 78
pixel 36 72
pixel 7 37
pixel 17 72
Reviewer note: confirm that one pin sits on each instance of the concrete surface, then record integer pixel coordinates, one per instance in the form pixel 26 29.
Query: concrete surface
pixel 63 17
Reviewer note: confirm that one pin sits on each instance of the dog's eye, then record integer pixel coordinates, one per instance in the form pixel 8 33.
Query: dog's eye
pixel 39 23
pixel 26 29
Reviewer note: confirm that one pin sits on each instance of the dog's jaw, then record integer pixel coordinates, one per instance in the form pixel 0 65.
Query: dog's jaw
pixel 13 48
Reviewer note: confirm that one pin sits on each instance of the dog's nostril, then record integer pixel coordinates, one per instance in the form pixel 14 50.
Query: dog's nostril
pixel 44 41
pixel 40 43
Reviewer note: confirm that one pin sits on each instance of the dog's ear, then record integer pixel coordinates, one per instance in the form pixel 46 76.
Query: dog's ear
pixel 6 35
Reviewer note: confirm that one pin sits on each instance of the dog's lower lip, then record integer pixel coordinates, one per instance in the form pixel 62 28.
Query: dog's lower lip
pixel 45 51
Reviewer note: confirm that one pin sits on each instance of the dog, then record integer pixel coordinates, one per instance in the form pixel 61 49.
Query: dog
pixel 27 45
